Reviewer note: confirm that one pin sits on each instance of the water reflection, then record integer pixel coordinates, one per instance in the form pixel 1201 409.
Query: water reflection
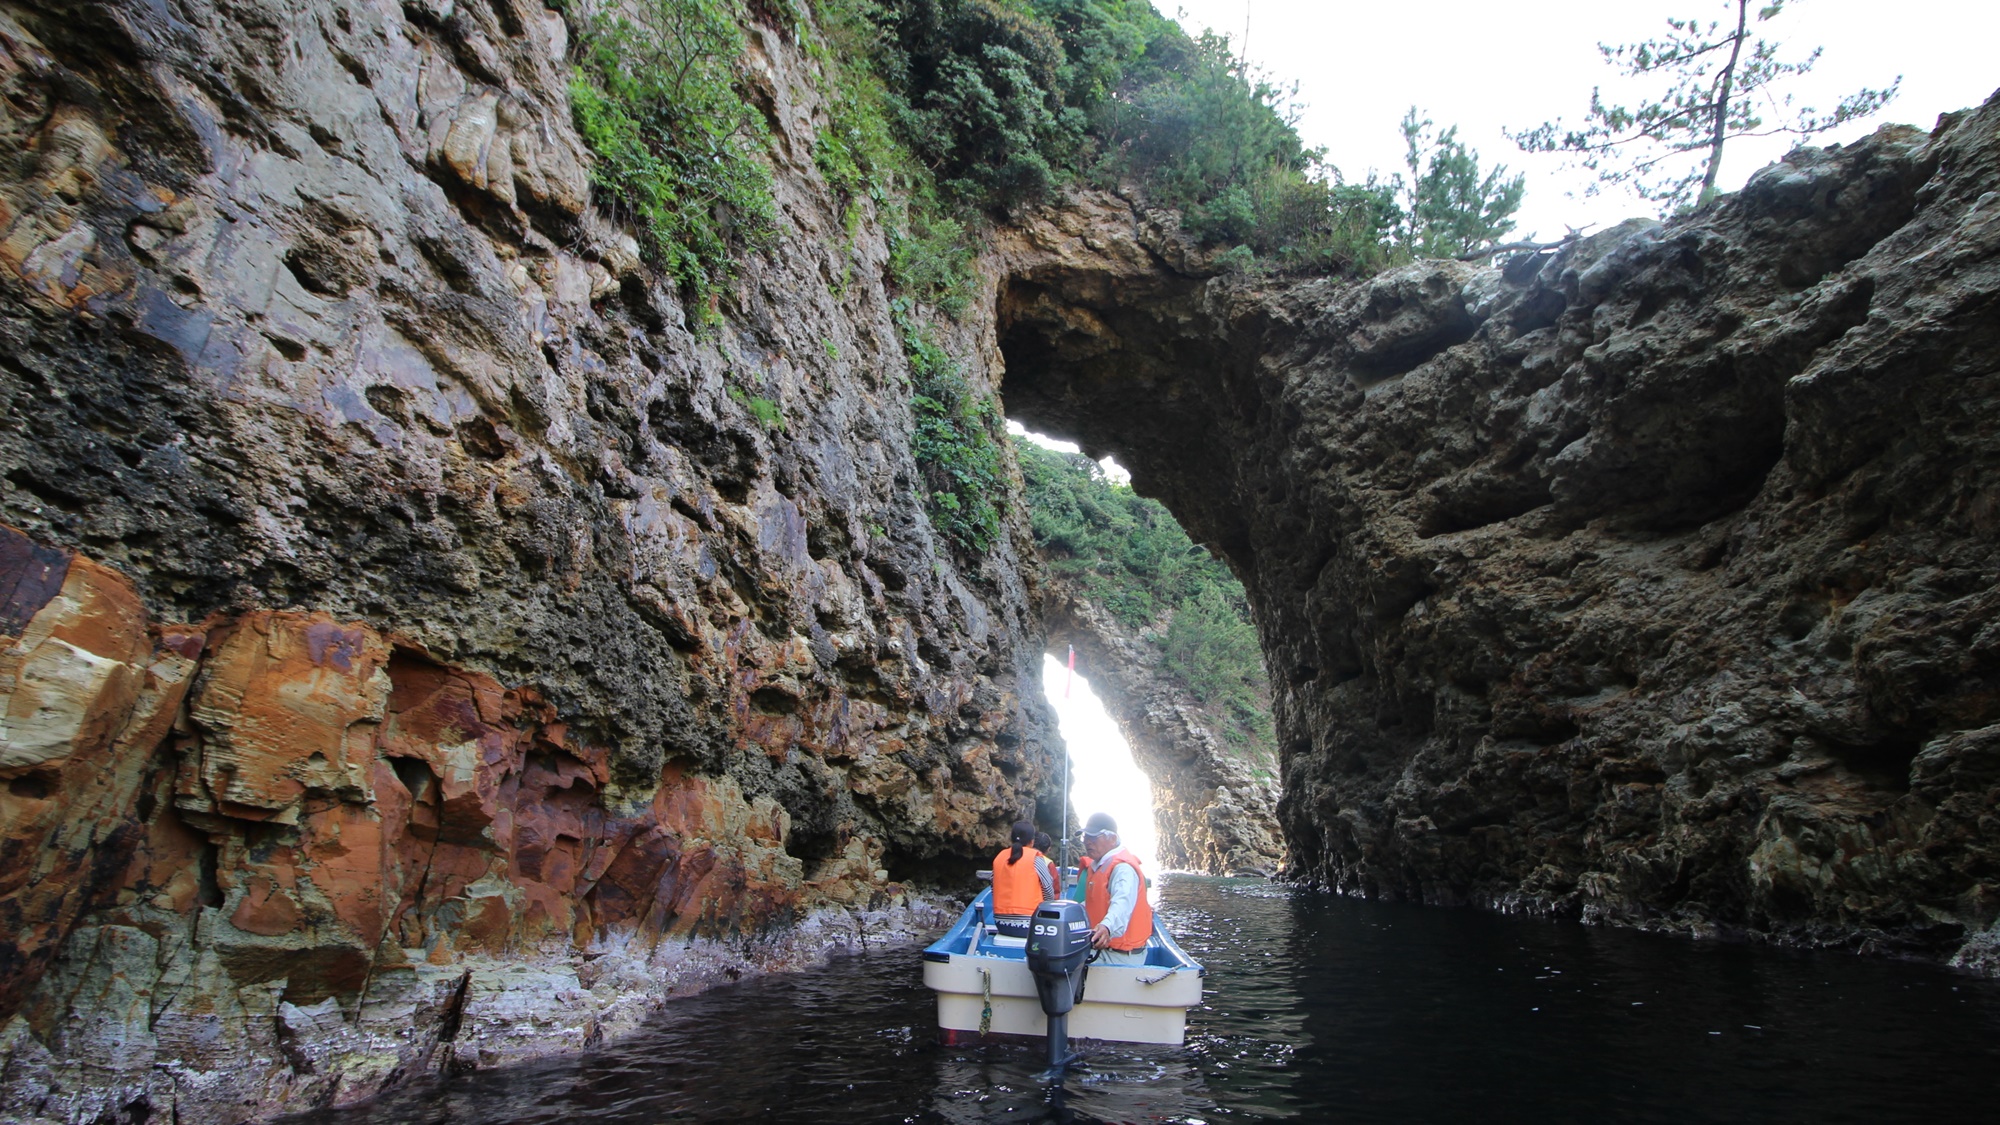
pixel 1317 1009
pixel 1147 1084
pixel 1251 1025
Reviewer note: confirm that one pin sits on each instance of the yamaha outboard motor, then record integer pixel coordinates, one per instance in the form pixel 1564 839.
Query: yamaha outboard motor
pixel 1058 956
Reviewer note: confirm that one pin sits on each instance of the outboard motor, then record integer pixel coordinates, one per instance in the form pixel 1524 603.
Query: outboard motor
pixel 1059 956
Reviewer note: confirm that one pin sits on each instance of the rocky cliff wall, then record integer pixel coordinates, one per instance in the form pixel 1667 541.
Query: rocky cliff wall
pixel 417 649
pixel 1215 810
pixel 1651 580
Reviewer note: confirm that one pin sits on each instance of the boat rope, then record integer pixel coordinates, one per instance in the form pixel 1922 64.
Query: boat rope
pixel 986 994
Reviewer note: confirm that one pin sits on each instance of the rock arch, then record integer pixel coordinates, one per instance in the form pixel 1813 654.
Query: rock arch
pixel 1640 580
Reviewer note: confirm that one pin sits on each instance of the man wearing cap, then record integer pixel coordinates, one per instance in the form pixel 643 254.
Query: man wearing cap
pixel 1114 899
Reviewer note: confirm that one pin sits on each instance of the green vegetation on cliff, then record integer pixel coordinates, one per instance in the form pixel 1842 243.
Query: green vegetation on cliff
pixel 954 443
pixel 863 157
pixel 1004 100
pixel 1129 556
pixel 654 95
pixel 942 113
pixel 657 95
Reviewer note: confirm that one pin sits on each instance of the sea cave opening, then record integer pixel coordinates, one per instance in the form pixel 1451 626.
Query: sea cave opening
pixel 1103 776
pixel 1167 714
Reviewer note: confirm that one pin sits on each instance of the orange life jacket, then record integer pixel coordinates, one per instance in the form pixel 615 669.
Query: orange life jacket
pixel 1017 887
pixel 1097 902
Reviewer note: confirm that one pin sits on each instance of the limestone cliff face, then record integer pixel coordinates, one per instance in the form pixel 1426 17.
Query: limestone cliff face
pixel 1216 811
pixel 413 647
pixel 1651 580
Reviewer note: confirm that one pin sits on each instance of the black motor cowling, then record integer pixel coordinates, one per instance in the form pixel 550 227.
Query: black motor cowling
pixel 1059 958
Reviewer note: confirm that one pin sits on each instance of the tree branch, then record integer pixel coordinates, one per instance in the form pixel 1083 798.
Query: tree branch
pixel 1520 248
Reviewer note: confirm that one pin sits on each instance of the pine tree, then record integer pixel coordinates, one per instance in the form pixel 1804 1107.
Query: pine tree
pixel 1721 82
pixel 1450 209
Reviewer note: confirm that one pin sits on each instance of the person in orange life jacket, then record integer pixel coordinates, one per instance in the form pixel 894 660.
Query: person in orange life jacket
pixel 1051 877
pixel 1020 881
pixel 1114 898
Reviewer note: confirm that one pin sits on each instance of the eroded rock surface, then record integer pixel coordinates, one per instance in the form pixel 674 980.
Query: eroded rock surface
pixel 413 648
pixel 1651 580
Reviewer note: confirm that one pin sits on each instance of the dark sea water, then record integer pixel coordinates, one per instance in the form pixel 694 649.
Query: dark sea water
pixel 1318 1009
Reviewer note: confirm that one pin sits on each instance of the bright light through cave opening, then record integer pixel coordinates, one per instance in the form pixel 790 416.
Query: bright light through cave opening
pixel 1112 470
pixel 1103 777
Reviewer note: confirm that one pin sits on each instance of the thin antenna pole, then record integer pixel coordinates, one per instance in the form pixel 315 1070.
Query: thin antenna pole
pixel 1062 849
pixel 1246 31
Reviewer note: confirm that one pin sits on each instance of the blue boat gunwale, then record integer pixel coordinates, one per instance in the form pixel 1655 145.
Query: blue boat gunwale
pixel 1162 952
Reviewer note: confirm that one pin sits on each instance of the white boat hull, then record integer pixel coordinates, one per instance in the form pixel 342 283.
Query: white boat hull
pixel 1121 1003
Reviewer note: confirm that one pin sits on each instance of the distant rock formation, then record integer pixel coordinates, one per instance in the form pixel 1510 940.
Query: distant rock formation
pixel 1214 812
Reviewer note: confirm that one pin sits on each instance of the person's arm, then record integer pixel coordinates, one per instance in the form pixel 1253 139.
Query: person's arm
pixel 1046 870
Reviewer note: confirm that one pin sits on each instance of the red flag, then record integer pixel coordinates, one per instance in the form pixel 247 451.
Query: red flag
pixel 1071 674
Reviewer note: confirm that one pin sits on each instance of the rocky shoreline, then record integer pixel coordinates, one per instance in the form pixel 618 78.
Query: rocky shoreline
pixel 434 1015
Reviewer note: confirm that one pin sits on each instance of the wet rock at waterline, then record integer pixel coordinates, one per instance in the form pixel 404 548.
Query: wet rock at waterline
pixel 1650 580
pixel 414 647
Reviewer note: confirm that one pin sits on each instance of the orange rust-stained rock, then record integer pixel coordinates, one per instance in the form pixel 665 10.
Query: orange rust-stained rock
pixel 266 908
pixel 346 859
pixel 86 692
pixel 286 703
pixel 455 724
pixel 73 672
pixel 339 799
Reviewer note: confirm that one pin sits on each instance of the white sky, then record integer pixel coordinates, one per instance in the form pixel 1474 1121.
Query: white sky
pixel 1113 471
pixel 1103 777
pixel 1484 65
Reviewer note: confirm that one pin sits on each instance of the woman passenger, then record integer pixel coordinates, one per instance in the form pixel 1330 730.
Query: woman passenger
pixel 1021 881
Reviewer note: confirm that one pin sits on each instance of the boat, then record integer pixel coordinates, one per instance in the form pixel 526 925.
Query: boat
pixel 984 987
